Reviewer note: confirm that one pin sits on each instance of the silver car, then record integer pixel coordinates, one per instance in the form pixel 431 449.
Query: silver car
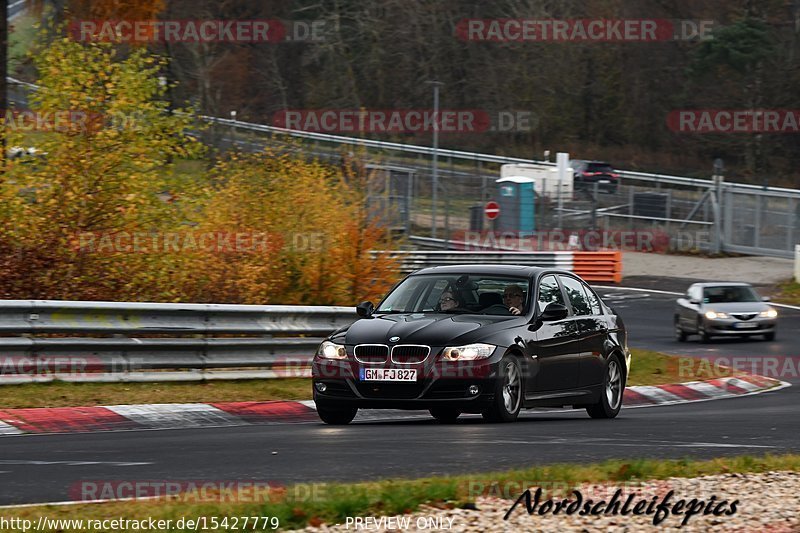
pixel 723 310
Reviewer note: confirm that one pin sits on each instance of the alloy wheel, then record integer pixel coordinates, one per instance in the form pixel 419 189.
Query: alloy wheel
pixel 614 385
pixel 512 388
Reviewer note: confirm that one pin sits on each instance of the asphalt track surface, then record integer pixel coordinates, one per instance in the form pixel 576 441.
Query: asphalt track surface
pixel 43 468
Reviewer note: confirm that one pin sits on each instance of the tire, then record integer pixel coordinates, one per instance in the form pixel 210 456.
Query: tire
pixel 680 335
pixel 613 390
pixel 508 392
pixel 445 415
pixel 769 336
pixel 701 330
pixel 338 416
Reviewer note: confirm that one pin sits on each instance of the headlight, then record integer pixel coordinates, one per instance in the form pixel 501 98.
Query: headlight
pixel 470 352
pixel 711 315
pixel 769 313
pixel 331 350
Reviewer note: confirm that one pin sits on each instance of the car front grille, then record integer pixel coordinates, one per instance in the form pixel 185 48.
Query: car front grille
pixel 374 354
pixel 409 354
pixel 744 316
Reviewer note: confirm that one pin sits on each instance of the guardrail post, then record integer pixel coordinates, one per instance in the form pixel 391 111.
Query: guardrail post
pixel 717 211
pixel 797 263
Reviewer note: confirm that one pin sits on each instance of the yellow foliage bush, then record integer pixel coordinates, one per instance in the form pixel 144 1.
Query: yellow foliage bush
pixel 104 216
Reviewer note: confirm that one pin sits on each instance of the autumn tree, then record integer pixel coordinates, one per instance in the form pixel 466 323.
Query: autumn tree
pixel 316 243
pixel 107 146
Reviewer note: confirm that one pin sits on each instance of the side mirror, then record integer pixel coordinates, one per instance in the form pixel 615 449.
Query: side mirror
pixel 554 311
pixel 365 309
pixel 695 301
pixel 766 299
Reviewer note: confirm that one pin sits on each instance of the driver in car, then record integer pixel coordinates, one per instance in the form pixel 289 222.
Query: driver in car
pixel 448 301
pixel 514 299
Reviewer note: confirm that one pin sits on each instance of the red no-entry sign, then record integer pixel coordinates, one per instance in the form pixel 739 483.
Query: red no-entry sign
pixel 492 210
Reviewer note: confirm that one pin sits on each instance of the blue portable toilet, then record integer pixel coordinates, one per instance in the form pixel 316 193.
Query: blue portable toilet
pixel 516 197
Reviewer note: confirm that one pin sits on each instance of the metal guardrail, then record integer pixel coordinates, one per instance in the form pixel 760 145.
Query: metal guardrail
pixel 592 266
pixel 83 341
pixel 458 154
pixel 415 260
pixel 482 157
pixel 774 211
pixel 159 342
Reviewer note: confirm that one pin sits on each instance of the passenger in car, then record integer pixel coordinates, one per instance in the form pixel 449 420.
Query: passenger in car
pixel 514 299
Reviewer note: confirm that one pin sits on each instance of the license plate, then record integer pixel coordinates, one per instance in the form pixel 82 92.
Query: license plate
pixel 388 374
pixel 745 325
pixel 605 182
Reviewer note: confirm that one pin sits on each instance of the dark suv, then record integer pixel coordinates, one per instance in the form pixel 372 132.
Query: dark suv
pixel 587 173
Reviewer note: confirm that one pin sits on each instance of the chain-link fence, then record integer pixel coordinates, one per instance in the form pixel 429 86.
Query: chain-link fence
pixel 642 212
pixel 672 211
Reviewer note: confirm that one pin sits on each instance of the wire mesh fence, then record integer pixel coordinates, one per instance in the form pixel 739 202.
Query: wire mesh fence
pixel 675 212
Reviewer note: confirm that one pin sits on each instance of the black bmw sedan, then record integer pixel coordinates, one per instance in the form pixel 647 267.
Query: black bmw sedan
pixel 488 339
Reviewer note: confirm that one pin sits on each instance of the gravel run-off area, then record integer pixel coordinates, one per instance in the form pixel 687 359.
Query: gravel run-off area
pixel 767 502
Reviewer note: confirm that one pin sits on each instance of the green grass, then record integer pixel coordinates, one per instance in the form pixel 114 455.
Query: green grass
pixel 299 505
pixel 61 394
pixel 21 39
pixel 789 293
pixel 647 368
pixel 654 368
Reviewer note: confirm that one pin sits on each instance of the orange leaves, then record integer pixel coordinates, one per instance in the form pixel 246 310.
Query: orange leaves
pixel 116 9
pixel 268 228
pixel 319 243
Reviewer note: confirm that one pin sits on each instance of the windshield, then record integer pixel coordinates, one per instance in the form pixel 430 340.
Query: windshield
pixel 457 293
pixel 599 167
pixel 715 295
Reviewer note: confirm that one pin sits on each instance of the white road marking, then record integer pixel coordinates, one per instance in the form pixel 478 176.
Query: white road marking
pixel 786 306
pixel 176 415
pixel 660 395
pixel 615 442
pixel 8 429
pixel 742 384
pixel 79 502
pixel 70 463
pixel 706 388
pixel 616 296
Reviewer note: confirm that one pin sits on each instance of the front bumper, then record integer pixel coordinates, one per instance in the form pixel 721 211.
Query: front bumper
pixel 732 326
pixel 606 185
pixel 436 385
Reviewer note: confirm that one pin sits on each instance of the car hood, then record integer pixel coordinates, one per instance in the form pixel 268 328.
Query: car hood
pixel 431 329
pixel 737 307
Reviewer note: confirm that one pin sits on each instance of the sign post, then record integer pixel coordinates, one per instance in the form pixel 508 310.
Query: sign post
pixel 492 211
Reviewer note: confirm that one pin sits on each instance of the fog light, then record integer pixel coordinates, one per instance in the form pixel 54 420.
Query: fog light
pixel 321 387
pixel 473 390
